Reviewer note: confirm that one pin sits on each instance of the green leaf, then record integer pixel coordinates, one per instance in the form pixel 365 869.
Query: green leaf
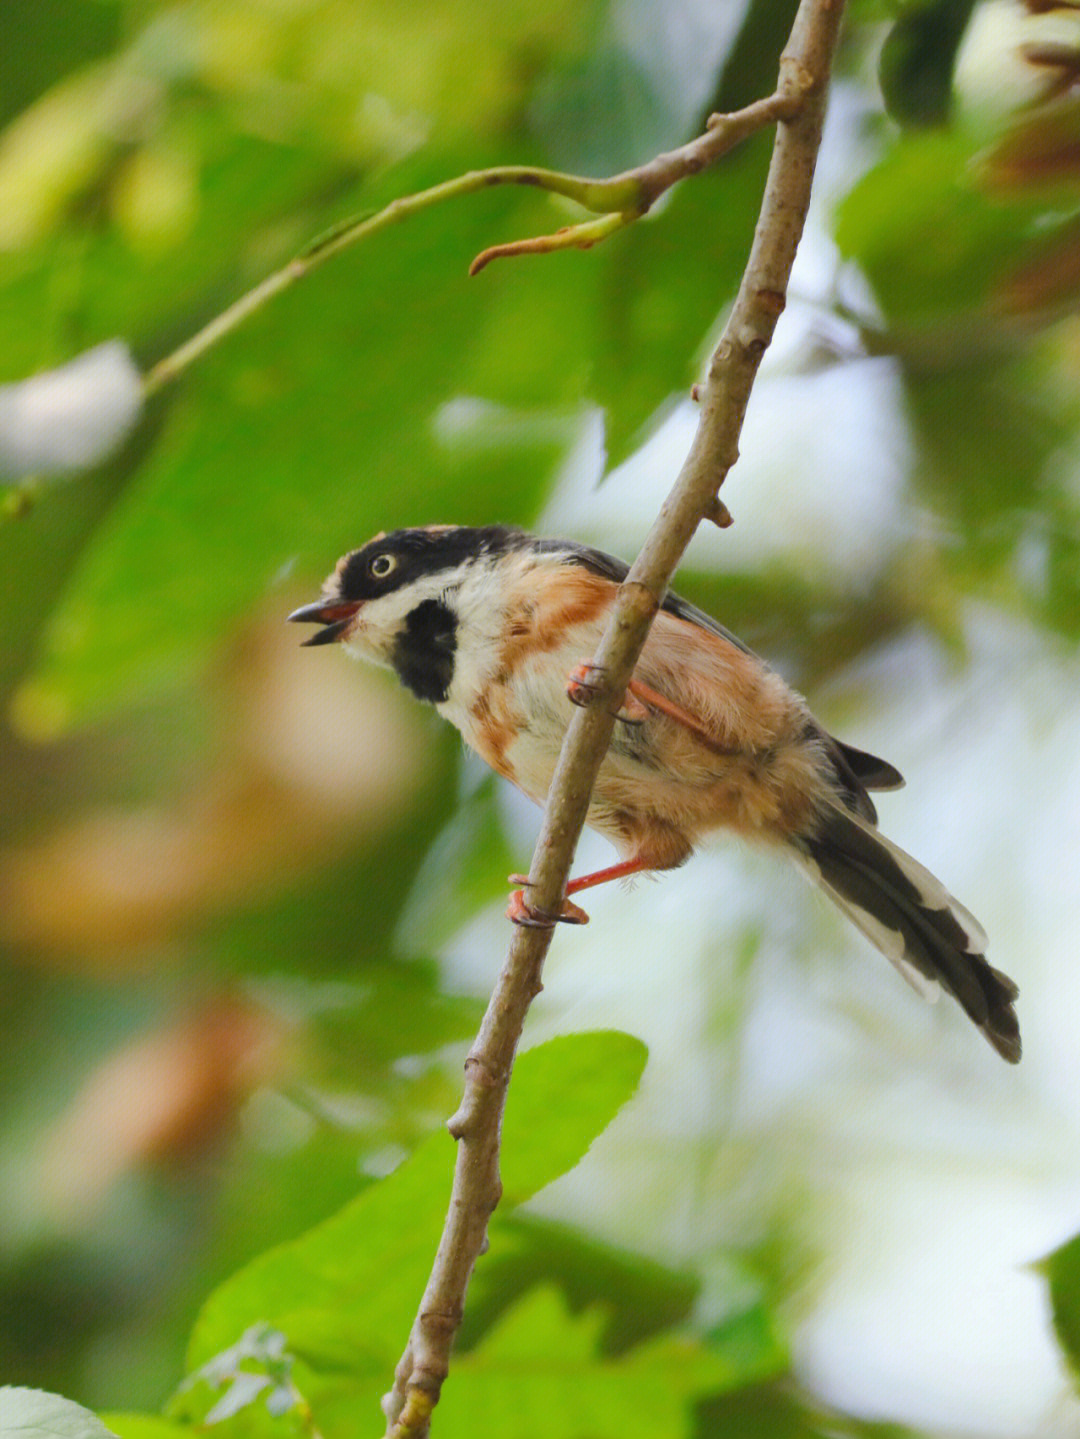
pixel 637 1296
pixel 145 1426
pixel 623 326
pixel 663 285
pixel 65 33
pixel 961 257
pixel 538 1375
pixel 990 440
pixel 34 1414
pixel 930 240
pixel 587 1078
pixel 256 1369
pixel 753 60
pixel 1062 1271
pixel 916 63
pixel 345 1294
pixel 465 867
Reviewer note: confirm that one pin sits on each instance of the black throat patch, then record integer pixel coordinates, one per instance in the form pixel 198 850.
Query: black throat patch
pixel 423 655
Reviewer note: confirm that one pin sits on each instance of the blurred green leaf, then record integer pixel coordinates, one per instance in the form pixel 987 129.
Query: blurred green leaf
pixel 931 241
pixel 663 287
pixel 276 453
pixel 917 59
pixel 1015 539
pixel 637 1296
pixel 45 39
pixel 1062 1272
pixel 778 1411
pixel 145 1426
pixel 518 1343
pixel 366 1266
pixel 758 1412
pixel 465 867
pixel 964 258
pixel 539 1375
pixel 750 1341
pixel 751 65
pixel 256 1369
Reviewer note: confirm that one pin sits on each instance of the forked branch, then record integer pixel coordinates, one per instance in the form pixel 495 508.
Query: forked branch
pixel 618 202
pixel 800 105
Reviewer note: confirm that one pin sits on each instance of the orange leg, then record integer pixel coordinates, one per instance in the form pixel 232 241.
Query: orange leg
pixel 650 697
pixel 639 699
pixel 522 913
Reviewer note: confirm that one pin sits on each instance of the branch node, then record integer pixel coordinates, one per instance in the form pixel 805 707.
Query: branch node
pixel 479 1082
pixel 797 82
pixel 719 514
pixel 773 301
pixel 480 1073
pixel 439 1321
pixel 751 340
pixel 639 602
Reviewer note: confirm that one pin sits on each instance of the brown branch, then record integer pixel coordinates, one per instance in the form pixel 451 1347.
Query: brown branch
pixel 804 72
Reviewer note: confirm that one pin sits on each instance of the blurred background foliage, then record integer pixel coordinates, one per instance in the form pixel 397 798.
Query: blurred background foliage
pixel 230 872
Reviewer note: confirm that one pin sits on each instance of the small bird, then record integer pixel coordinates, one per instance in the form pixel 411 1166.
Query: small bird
pixel 490 624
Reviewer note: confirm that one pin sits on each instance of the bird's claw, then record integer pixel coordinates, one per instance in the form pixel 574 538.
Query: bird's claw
pixel 521 912
pixel 587 679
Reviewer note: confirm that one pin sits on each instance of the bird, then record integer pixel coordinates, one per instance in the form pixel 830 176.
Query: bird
pixel 492 626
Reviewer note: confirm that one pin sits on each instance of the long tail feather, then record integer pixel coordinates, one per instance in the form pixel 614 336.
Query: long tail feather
pixel 911 917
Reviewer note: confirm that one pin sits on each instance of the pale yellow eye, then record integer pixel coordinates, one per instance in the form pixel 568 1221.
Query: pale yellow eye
pixel 383 565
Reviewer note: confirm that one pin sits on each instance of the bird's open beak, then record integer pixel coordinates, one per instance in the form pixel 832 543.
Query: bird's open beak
pixel 335 615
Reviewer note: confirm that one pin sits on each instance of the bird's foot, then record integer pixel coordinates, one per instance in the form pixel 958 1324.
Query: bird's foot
pixel 586 680
pixel 521 912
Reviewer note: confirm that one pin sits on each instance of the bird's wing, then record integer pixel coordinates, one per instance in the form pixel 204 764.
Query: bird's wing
pixel 611 568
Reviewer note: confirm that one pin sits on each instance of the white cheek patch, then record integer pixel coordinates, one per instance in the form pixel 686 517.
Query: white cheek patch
pixel 379 621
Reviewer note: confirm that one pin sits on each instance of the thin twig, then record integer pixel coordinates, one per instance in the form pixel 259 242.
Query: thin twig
pixel 618 201
pixel 804 71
